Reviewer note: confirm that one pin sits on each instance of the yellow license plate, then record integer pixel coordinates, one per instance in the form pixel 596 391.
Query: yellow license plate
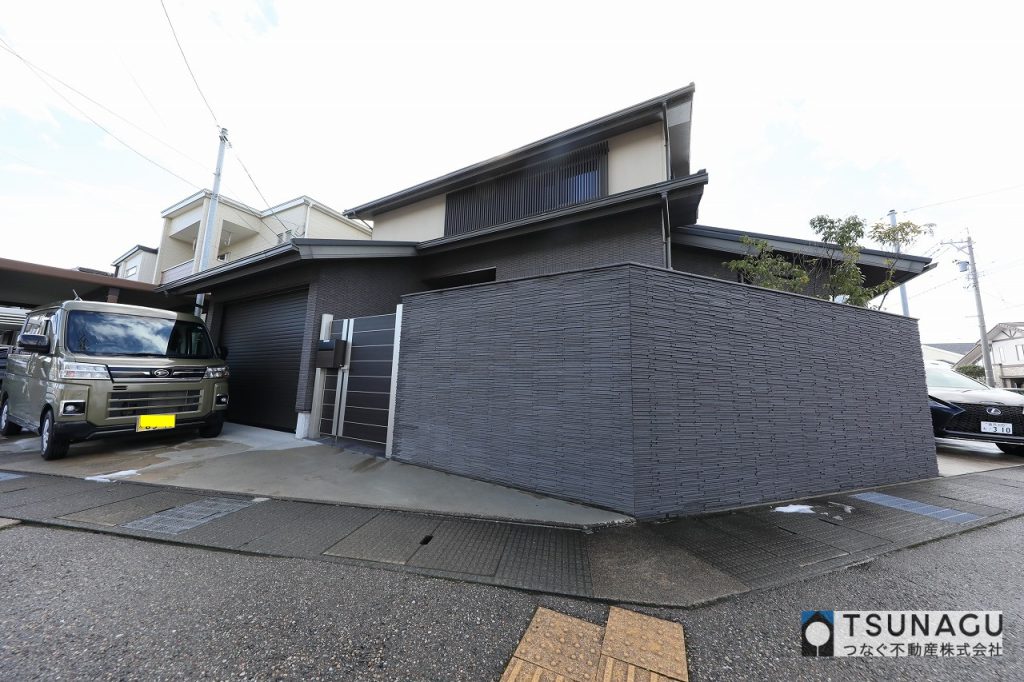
pixel 155 422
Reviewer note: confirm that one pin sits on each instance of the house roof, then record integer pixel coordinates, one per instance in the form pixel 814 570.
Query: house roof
pixel 958 348
pixel 906 266
pixel 132 251
pixel 292 251
pixel 621 121
pixel 29 285
pixel 1009 329
pixel 191 201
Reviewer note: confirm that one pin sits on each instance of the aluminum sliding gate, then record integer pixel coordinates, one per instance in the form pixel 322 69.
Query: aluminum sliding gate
pixel 357 400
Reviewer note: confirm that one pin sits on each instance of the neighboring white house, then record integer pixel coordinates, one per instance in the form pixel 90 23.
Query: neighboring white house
pixel 139 264
pixel 948 353
pixel 241 230
pixel 1007 342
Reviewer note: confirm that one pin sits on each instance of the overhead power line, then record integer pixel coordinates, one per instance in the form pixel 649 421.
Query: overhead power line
pixel 965 198
pixel 189 66
pixel 257 187
pixel 92 120
pixel 39 70
pixel 216 122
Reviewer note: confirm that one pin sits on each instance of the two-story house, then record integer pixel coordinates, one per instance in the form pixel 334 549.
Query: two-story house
pixel 1006 340
pixel 550 260
pixel 238 231
pixel 137 264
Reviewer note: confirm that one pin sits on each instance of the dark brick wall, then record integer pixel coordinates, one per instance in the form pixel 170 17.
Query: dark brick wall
pixel 743 395
pixel 523 383
pixel 655 392
pixel 630 237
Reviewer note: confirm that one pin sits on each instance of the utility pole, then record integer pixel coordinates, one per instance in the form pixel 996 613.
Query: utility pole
pixel 902 288
pixel 211 215
pixel 986 348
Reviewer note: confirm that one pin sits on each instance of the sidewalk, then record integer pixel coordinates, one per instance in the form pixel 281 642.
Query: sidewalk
pixel 677 563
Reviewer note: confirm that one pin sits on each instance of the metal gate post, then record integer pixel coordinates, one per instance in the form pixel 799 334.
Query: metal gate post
pixel 394 381
pixel 313 429
pixel 342 392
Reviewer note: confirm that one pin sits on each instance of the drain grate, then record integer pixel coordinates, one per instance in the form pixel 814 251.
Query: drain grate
pixel 915 507
pixel 9 477
pixel 188 516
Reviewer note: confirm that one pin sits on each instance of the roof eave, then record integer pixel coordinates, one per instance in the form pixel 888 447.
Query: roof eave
pixel 590 131
pixel 721 239
pixel 292 251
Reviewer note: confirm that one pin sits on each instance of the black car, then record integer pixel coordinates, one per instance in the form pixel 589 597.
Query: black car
pixel 963 408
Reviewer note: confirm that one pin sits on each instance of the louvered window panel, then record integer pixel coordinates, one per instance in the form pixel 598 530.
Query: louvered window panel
pixel 572 179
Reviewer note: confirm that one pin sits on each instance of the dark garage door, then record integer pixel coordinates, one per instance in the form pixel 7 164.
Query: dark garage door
pixel 264 341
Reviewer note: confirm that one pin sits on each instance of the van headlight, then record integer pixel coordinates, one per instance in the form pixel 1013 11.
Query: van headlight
pixel 83 370
pixel 217 373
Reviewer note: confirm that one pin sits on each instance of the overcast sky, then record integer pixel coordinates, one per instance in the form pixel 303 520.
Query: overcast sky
pixel 800 109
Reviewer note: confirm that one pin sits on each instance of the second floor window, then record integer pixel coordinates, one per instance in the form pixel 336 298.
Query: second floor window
pixel 574 178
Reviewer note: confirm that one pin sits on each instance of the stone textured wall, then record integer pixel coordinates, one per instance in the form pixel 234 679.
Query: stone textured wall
pixel 656 393
pixel 743 395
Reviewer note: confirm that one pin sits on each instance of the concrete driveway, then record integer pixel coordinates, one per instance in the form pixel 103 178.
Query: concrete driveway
pixel 254 461
pixel 958 457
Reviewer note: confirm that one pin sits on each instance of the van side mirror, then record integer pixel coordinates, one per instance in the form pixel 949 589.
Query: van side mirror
pixel 222 352
pixel 34 343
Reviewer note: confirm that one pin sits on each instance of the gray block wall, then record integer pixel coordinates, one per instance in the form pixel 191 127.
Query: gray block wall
pixel 655 393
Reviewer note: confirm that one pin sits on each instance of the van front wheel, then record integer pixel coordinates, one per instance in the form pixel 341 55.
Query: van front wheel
pixel 51 446
pixel 212 428
pixel 7 427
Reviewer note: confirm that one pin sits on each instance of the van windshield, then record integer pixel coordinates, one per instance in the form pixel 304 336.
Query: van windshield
pixel 99 333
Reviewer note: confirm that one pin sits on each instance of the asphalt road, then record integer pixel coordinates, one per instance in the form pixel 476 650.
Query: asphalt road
pixel 79 606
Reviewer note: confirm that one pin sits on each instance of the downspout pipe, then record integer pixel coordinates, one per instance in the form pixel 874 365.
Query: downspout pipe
pixel 666 215
pixel 666 228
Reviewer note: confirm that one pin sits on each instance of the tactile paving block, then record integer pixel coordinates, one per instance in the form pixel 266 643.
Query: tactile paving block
pixel 614 670
pixel 646 642
pixel 180 519
pixel 464 547
pixel 562 644
pixel 519 670
pixel 390 537
pixel 135 508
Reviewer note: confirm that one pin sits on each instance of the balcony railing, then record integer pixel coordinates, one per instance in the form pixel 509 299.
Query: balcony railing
pixel 177 272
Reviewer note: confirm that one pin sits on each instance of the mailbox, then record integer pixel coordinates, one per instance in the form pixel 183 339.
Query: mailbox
pixel 330 354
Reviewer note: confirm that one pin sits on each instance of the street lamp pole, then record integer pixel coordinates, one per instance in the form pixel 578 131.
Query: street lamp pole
pixel 902 288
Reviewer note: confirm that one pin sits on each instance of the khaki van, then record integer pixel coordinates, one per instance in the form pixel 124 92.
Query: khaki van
pixel 81 369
